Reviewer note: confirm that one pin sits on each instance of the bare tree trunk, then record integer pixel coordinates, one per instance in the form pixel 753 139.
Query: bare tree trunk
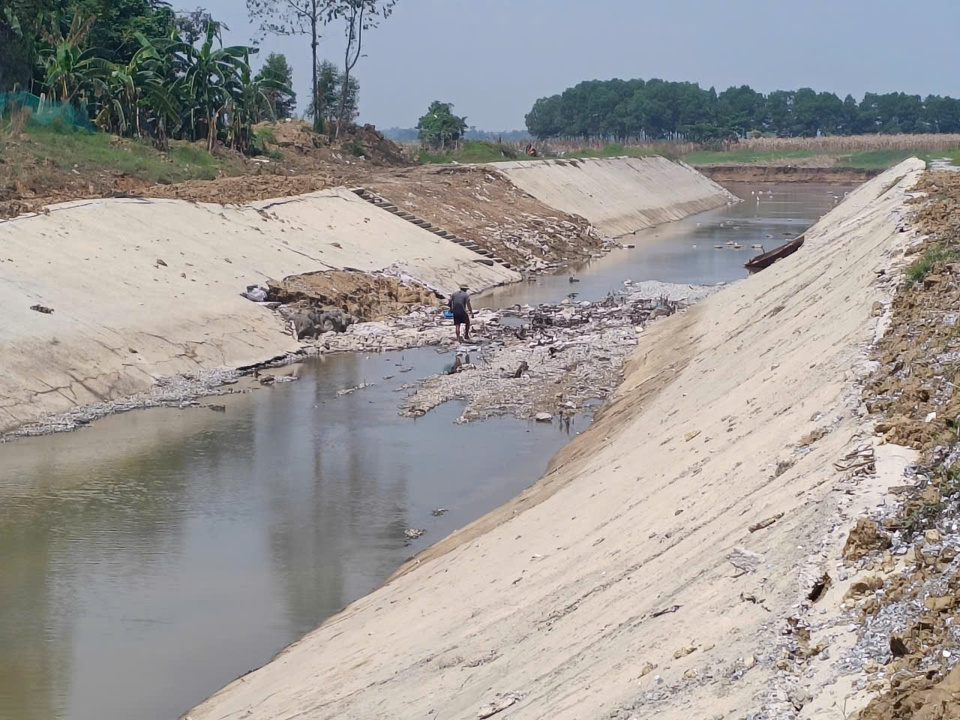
pixel 212 131
pixel 317 120
pixel 355 32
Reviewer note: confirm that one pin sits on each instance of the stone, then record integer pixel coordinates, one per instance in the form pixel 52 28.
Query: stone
pixel 647 668
pixel 544 417
pixel 932 537
pixel 683 652
pixel 744 560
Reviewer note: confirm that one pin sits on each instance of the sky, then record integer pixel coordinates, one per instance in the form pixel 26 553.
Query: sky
pixel 493 58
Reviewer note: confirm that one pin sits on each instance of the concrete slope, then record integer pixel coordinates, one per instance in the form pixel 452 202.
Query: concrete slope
pixel 619 195
pixel 143 289
pixel 553 605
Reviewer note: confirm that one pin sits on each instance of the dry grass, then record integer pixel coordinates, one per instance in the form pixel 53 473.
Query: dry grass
pixel 849 143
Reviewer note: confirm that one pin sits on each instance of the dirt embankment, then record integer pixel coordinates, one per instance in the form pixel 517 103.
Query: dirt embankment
pixel 299 161
pixel 658 570
pixel 908 622
pixel 478 203
pixel 786 174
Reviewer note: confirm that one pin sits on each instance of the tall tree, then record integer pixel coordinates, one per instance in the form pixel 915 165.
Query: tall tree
pixel 330 88
pixel 358 16
pixel 295 17
pixel 440 126
pixel 281 99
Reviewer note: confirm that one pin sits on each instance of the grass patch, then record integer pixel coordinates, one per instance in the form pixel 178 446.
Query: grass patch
pixel 68 149
pixel 613 150
pixel 919 268
pixel 744 157
pixel 876 159
pixel 472 152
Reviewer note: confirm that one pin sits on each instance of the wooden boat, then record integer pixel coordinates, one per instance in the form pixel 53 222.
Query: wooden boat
pixel 765 260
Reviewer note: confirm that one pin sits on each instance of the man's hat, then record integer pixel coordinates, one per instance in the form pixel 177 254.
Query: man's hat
pixel 464 286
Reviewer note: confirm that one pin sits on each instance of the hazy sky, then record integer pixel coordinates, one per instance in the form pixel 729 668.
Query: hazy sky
pixel 494 58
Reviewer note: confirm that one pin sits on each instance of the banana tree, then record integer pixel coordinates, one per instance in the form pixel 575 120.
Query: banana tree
pixel 135 91
pixel 249 97
pixel 69 72
pixel 211 78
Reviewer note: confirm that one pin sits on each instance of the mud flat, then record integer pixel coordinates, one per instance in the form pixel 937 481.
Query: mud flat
pixel 786 174
pixel 619 195
pixel 145 289
pixel 654 570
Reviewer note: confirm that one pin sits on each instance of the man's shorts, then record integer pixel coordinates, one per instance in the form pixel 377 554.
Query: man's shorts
pixel 460 317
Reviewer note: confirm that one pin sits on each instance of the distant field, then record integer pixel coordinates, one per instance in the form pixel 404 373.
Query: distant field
pixel 867 152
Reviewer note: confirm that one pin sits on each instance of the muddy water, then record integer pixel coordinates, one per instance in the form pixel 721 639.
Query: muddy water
pixel 149 560
pixel 684 251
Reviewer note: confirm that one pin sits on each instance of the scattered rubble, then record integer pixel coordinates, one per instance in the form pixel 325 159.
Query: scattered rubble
pixel 479 204
pixel 546 363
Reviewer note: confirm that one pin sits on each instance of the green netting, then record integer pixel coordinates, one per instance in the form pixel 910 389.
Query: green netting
pixel 46 112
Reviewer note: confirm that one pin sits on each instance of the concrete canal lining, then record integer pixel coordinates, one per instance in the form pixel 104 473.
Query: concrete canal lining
pixel 619 195
pixel 553 605
pixel 142 289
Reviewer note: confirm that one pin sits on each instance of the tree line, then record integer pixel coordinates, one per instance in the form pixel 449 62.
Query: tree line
pixel 657 109
pixel 140 69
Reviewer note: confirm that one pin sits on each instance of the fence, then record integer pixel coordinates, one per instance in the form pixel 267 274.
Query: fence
pixel 46 112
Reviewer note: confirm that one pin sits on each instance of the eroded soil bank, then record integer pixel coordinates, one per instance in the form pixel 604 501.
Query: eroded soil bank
pixel 725 174
pixel 898 594
pixel 665 564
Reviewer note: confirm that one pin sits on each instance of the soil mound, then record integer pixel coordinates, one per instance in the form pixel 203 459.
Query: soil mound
pixel 362 295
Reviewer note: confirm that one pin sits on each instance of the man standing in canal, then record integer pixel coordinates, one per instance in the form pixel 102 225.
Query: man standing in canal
pixel 460 307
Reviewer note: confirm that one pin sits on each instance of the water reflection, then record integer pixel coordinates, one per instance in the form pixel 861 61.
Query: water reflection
pixel 147 561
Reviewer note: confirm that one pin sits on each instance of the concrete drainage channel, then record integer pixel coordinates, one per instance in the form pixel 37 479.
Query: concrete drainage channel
pixel 381 202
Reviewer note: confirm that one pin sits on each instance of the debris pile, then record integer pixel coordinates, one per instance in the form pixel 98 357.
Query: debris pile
pixel 546 362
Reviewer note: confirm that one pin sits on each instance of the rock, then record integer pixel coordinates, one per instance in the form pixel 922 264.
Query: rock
pixel 744 560
pixel 932 537
pixel 42 309
pixel 749 661
pixel 863 539
pixel 683 652
pixel 940 604
pixel 413 534
pixel 863 587
pixel 647 668
pixel 544 417
pixel 498 705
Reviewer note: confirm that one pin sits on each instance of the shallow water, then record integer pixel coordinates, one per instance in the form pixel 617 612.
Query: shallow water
pixel 684 251
pixel 147 561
